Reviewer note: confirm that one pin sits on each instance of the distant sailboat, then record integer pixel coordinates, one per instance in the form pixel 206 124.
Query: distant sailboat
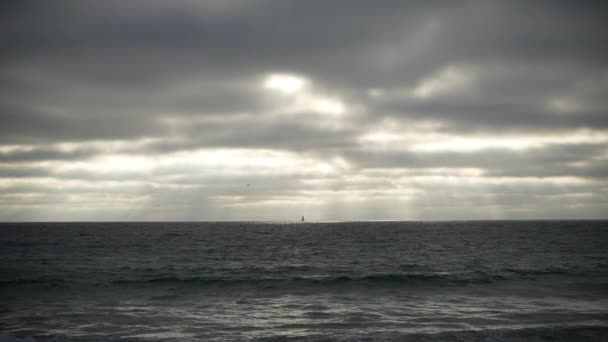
pixel 302 219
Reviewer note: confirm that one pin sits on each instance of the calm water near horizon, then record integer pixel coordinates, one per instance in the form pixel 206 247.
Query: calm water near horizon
pixel 322 281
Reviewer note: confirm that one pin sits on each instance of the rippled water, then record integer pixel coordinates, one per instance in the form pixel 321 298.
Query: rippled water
pixel 385 281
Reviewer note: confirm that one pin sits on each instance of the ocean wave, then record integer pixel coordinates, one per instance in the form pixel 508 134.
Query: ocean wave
pixel 588 333
pixel 307 276
pixel 41 280
pixel 386 279
pixel 391 278
pixel 544 271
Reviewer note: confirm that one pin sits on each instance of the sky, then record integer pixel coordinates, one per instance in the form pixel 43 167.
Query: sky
pixel 332 110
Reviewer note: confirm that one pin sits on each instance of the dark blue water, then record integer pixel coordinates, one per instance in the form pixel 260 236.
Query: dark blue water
pixel 363 281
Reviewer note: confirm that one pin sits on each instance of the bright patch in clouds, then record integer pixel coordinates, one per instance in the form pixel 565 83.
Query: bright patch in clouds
pixel 434 141
pixel 285 83
pixel 513 142
pixel 240 162
pixel 448 80
pixel 301 97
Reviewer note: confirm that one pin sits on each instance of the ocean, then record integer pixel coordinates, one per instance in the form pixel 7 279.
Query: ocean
pixel 324 281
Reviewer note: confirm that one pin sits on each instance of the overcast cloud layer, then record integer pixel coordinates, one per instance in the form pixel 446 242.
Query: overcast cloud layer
pixel 270 110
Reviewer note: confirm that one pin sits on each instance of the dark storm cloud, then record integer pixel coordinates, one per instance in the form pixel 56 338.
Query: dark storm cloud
pixel 153 78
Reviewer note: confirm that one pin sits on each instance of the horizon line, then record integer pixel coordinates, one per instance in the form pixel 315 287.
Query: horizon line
pixel 318 221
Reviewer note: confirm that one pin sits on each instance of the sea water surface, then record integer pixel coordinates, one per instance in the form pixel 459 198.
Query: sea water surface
pixel 342 281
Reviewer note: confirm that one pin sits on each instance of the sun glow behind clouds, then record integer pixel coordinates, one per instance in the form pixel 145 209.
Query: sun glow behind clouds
pixel 285 83
pixel 301 97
